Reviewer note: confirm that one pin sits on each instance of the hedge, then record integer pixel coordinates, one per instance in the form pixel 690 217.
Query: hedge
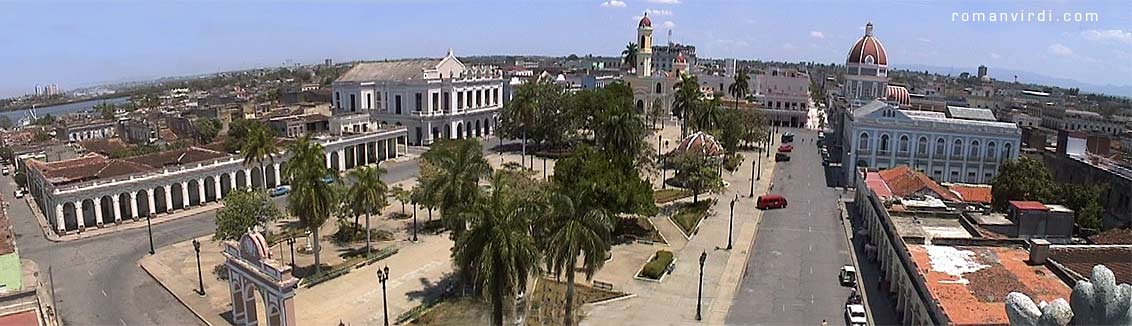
pixel 658 265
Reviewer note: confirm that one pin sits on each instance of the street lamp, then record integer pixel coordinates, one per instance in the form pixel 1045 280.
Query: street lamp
pixel 382 276
pixel 414 221
pixel 731 221
pixel 149 228
pixel 200 275
pixel 291 242
pixel 700 297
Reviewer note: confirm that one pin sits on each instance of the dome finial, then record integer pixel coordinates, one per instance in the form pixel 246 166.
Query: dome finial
pixel 869 28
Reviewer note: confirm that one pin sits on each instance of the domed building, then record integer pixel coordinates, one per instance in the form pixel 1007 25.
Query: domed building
pixel 652 86
pixel 866 70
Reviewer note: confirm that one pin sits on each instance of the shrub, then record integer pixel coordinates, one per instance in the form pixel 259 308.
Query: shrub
pixel 656 267
pixel 689 215
pixel 733 162
pixel 350 232
pixel 667 195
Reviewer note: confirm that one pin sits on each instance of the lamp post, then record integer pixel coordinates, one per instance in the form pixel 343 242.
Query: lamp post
pixel 149 228
pixel 200 275
pixel 543 168
pixel 291 242
pixel 382 276
pixel 414 221
pixel 700 297
pixel 731 221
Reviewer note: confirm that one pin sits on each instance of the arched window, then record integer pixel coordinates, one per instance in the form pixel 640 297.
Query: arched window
pixel 939 146
pixel 1006 153
pixel 922 148
pixel 658 88
pixel 991 150
pixel 904 143
pixel 957 150
pixel 974 149
pixel 884 142
pixel 863 143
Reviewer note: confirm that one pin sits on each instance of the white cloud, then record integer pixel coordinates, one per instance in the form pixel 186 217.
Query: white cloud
pixel 613 4
pixel 1108 35
pixel 669 24
pixel 659 12
pixel 817 34
pixel 995 56
pixel 670 2
pixel 1060 50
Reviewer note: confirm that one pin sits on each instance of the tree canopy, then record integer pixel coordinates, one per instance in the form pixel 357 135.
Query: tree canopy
pixel 1022 179
pixel 243 210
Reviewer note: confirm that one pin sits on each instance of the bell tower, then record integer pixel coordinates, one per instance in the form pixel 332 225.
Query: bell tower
pixel 644 47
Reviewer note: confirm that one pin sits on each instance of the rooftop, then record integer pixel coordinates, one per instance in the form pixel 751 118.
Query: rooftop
pixel 959 112
pixel 929 227
pixel 905 182
pixel 970 283
pixel 1081 259
pixel 1113 237
pixel 971 193
pixel 96 166
pixel 1028 205
pixel 401 70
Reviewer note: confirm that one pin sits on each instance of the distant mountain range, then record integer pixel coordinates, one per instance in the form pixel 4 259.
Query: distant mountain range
pixel 1027 77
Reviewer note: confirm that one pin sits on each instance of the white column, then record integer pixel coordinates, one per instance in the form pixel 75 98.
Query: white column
pixel 342 160
pixel 60 223
pixel 79 214
pixel 232 180
pixel 134 205
pixel 117 209
pixel 248 180
pixel 275 168
pixel 216 184
pixel 200 191
pixel 184 194
pixel 98 211
pixel 149 197
pixel 168 198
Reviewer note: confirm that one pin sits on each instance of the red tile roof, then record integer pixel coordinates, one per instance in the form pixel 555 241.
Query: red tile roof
pixel 1113 237
pixel 23 318
pixel 978 298
pixel 904 182
pixel 1081 259
pixel 877 185
pixel 972 193
pixel 1028 205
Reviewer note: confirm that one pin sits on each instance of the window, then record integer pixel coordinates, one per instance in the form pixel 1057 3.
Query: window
pixel 957 150
pixel 1006 153
pixel 338 100
pixel 469 104
pixel 884 143
pixel 479 98
pixel 377 101
pixel 418 103
pixel 922 147
pixel 974 149
pixel 459 100
pixel 353 103
pixel 658 88
pixel 369 101
pixel 863 143
pixel 447 102
pixel 397 102
pixel 939 146
pixel 904 143
pixel 991 150
pixel 495 95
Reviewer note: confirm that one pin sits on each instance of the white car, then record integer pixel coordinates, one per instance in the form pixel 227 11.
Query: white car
pixel 6 171
pixel 19 194
pixel 848 275
pixel 855 313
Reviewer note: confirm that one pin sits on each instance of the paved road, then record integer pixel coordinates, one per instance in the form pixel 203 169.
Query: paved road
pixel 791 276
pixel 98 281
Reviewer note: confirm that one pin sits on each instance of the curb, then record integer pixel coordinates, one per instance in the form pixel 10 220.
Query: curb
pixel 182 301
pixel 624 297
pixel 848 228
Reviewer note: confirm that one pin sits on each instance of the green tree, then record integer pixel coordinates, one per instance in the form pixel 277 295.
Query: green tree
pixel 46 120
pixel 105 110
pixel 534 114
pixel 617 129
pixel 611 186
pixel 629 55
pixel 311 199
pixel 207 130
pixel 707 115
pixel 1085 201
pixel 695 172
pixel 754 126
pixel 367 195
pixel 459 165
pixel 730 129
pixel 238 131
pixel 686 99
pixel 402 196
pixel 575 229
pixel 498 247
pixel 656 111
pixel 1021 179
pixel 243 210
pixel 259 146
pixel 740 86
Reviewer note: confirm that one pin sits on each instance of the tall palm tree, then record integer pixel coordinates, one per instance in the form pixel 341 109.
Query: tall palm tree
pixel 575 229
pixel 498 248
pixel 618 129
pixel 740 86
pixel 707 114
pixel 629 55
pixel 311 199
pixel 259 146
pixel 459 166
pixel 687 98
pixel 367 195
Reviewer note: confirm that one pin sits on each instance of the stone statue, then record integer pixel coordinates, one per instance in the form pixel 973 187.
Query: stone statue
pixel 1096 302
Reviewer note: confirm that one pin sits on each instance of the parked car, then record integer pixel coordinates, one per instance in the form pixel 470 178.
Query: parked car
pixel 19 194
pixel 787 137
pixel 770 201
pixel 855 314
pixel 280 190
pixel 848 275
pixel 779 157
pixel 328 179
pixel 6 171
pixel 786 148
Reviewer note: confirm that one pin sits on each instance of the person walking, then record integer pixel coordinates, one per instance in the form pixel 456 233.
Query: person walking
pixel 823 323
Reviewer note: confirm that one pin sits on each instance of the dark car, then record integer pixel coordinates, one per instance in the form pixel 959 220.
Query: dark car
pixel 779 157
pixel 787 137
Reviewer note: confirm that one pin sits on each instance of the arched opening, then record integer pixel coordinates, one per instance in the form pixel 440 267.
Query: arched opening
pixel 468 130
pixel 1006 150
pixel 225 184
pixel 459 130
pixel 477 128
pixel 178 194
pixel 435 133
pixel 883 142
pixel 863 142
pixel 640 106
pixel 124 206
pixel 486 126
pixel 349 156
pixel 957 150
pixel 974 152
pixel 360 151
pixel 70 219
pixel 241 180
pixel 922 146
pixel 159 200
pixel 991 154
pixel 107 208
pixel 903 143
pixel 257 178
pixel 88 213
pixel 447 131
pixel 209 189
pixel 659 88
pixel 143 202
pixel 940 146
pixel 270 175
pixel 194 193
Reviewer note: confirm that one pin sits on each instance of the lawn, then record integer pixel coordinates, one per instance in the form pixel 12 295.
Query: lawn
pixel 630 229
pixel 457 311
pixel 667 195
pixel 656 267
pixel 688 215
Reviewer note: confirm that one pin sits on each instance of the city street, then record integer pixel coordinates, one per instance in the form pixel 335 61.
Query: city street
pixel 791 276
pixel 97 280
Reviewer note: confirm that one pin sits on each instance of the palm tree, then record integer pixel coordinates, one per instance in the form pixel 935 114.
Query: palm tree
pixel 629 55
pixel 259 146
pixel 311 199
pixel 707 115
pixel 367 195
pixel 459 164
pixel 498 247
pixel 687 97
pixel 740 87
pixel 618 129
pixel 575 229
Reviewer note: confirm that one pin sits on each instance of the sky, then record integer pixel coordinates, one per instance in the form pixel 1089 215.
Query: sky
pixel 79 44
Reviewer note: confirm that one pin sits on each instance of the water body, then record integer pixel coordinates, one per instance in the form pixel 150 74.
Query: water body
pixel 57 110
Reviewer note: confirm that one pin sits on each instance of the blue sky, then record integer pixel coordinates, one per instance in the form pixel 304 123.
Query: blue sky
pixel 77 44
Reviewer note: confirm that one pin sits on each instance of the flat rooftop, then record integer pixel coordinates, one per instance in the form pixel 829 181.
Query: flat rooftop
pixel 970 283
pixel 929 227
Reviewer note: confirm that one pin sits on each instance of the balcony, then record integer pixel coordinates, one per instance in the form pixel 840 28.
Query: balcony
pixel 923 155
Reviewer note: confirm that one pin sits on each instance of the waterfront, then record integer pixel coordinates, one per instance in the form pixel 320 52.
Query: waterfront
pixel 60 109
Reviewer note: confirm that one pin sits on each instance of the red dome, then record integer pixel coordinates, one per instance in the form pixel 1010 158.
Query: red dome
pixel 868 50
pixel 680 58
pixel 645 22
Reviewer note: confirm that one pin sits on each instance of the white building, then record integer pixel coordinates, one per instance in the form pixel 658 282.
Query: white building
pixel 1090 122
pixel 433 98
pixel 866 75
pixel 653 87
pixel 964 145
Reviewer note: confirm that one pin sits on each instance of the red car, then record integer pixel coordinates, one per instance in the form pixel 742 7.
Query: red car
pixel 770 201
pixel 786 148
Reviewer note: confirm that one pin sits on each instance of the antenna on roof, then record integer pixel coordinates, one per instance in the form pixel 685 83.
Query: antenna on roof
pixel 669 36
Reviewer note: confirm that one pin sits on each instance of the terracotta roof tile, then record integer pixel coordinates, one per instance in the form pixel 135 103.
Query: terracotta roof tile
pixel 1081 259
pixel 1113 237
pixel 1028 205
pixel 972 193
pixel 904 182
pixel 178 157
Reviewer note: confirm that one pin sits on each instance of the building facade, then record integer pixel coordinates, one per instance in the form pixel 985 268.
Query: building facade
pixel 866 70
pixel 651 87
pixel 785 93
pixel 1074 120
pixel 433 98
pixel 965 149
pixel 99 129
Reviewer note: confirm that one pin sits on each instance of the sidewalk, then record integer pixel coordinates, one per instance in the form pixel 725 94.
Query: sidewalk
pixel 125 224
